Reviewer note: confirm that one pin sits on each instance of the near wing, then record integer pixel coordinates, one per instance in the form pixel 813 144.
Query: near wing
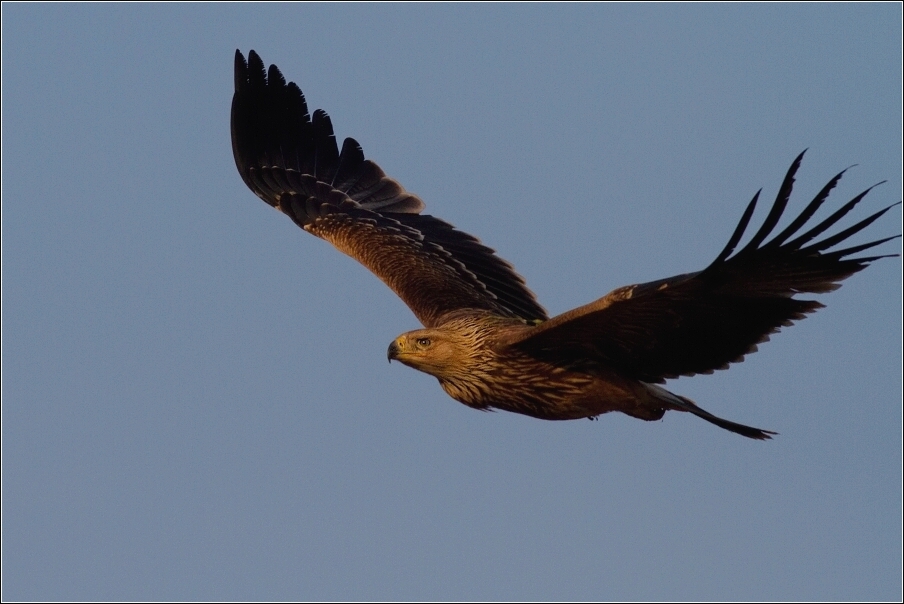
pixel 699 322
pixel 291 161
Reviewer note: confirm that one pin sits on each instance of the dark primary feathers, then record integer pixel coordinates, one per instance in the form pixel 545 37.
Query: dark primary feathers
pixel 488 341
pixel 290 160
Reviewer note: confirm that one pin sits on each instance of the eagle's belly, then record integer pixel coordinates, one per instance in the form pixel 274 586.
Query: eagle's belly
pixel 548 392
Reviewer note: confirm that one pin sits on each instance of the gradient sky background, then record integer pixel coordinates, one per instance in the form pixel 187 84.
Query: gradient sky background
pixel 196 399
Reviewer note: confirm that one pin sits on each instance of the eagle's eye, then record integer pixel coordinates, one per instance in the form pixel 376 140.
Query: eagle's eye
pixel 423 342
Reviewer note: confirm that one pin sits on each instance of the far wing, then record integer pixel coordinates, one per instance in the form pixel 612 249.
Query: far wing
pixel 290 160
pixel 699 322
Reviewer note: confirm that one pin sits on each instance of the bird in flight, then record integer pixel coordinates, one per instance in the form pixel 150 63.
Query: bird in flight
pixel 485 337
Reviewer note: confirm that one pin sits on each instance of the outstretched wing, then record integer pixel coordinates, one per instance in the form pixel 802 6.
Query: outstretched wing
pixel 699 322
pixel 290 160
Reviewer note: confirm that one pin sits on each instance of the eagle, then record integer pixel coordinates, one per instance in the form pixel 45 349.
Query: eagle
pixel 485 337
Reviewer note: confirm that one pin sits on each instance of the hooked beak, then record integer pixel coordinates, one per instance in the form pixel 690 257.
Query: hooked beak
pixel 393 352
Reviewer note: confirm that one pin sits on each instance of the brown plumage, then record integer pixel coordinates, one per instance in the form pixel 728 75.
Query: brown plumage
pixel 486 339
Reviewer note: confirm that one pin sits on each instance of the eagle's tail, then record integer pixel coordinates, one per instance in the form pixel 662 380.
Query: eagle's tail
pixel 680 403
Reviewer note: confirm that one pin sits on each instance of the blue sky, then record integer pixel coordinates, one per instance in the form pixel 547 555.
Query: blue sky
pixel 196 399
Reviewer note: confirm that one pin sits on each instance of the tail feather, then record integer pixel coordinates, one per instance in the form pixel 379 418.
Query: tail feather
pixel 681 403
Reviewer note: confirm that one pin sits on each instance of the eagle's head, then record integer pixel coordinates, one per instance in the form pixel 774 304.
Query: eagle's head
pixel 439 352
